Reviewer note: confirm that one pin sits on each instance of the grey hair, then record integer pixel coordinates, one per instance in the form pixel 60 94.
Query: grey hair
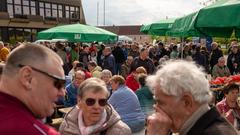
pixel 220 59
pixel 95 84
pixel 106 72
pixel 79 72
pixel 178 77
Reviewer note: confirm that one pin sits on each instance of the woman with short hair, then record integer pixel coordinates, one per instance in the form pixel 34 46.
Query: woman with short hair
pixel 126 103
pixel 93 115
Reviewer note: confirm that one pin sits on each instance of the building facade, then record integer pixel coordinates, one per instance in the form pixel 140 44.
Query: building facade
pixel 20 20
pixel 130 31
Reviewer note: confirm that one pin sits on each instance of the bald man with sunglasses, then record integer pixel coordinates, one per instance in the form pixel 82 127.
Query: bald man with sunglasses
pixel 32 81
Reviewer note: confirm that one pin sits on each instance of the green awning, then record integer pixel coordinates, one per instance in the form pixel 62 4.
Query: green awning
pixel 184 26
pixel 220 19
pixel 78 33
pixel 158 28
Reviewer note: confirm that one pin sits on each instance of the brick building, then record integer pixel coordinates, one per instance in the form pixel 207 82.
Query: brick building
pixel 130 31
pixel 20 20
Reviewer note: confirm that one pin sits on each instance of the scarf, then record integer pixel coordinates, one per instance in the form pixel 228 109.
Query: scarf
pixel 90 129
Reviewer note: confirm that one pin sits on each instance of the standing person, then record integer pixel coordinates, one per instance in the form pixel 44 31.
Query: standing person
pixel 182 98
pixel 4 51
pixel 233 60
pixel 93 115
pixel 119 57
pixel 228 107
pixel 32 81
pixel 109 60
pixel 144 61
pixel 215 54
pixel 126 103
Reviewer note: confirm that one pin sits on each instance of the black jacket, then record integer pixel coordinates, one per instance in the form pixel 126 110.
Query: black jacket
pixel 212 123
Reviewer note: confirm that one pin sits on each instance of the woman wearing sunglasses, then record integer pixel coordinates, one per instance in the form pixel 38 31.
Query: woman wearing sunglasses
pixel 93 115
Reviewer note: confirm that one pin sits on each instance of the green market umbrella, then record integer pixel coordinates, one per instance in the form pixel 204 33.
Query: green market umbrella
pixel 158 28
pixel 220 19
pixel 78 33
pixel 184 26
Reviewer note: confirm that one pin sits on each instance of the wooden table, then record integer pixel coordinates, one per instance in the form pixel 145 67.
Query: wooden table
pixel 65 110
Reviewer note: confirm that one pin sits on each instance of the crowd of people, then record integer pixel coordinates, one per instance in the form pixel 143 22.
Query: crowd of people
pixel 121 89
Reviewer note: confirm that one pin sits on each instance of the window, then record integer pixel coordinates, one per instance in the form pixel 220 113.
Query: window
pixel 60 13
pixel 54 10
pixel 10 10
pixel 21 7
pixel 9 1
pixel 48 11
pixel 67 11
pixel 33 7
pixel 41 9
pixel 74 12
pixel 18 9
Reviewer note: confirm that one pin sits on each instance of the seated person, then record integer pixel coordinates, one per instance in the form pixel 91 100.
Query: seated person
pixel 93 115
pixel 220 69
pixel 71 89
pixel 145 96
pixel 126 103
pixel 131 80
pixel 228 107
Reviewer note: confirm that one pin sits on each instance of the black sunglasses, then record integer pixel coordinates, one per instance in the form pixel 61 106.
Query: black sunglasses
pixel 59 82
pixel 92 101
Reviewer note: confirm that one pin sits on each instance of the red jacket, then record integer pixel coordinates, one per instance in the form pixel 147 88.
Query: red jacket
pixel 16 119
pixel 132 83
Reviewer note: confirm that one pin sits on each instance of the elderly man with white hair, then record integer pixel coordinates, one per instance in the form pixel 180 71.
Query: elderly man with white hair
pixel 182 95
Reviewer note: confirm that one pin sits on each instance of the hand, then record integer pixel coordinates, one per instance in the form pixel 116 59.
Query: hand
pixel 158 123
pixel 229 114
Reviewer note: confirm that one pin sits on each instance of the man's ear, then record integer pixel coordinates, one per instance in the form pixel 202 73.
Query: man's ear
pixel 25 75
pixel 188 101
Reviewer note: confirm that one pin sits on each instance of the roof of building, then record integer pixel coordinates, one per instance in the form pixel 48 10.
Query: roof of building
pixel 124 30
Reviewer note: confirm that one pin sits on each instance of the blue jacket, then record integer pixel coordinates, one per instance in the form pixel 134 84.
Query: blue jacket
pixel 71 95
pixel 126 103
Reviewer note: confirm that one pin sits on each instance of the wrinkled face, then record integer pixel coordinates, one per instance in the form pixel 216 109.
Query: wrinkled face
pixel 92 104
pixel 172 106
pixel 106 78
pixel 232 95
pixel 44 92
pixel 221 63
pixel 78 79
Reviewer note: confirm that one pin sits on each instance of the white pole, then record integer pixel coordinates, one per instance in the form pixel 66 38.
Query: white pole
pixel 97 13
pixel 104 13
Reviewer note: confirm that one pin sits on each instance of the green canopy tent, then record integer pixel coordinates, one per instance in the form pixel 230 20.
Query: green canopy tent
pixel 220 19
pixel 78 33
pixel 158 28
pixel 184 27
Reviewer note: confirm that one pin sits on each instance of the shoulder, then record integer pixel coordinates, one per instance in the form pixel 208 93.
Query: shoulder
pixel 119 128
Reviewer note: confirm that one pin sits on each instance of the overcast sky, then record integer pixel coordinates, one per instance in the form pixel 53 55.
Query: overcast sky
pixel 137 12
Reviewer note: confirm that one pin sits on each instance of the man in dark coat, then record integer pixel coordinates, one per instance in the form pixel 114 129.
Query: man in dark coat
pixel 144 61
pixel 182 96
pixel 215 54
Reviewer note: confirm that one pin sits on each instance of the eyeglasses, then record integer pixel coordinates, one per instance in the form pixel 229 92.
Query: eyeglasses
pixel 92 101
pixel 59 82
